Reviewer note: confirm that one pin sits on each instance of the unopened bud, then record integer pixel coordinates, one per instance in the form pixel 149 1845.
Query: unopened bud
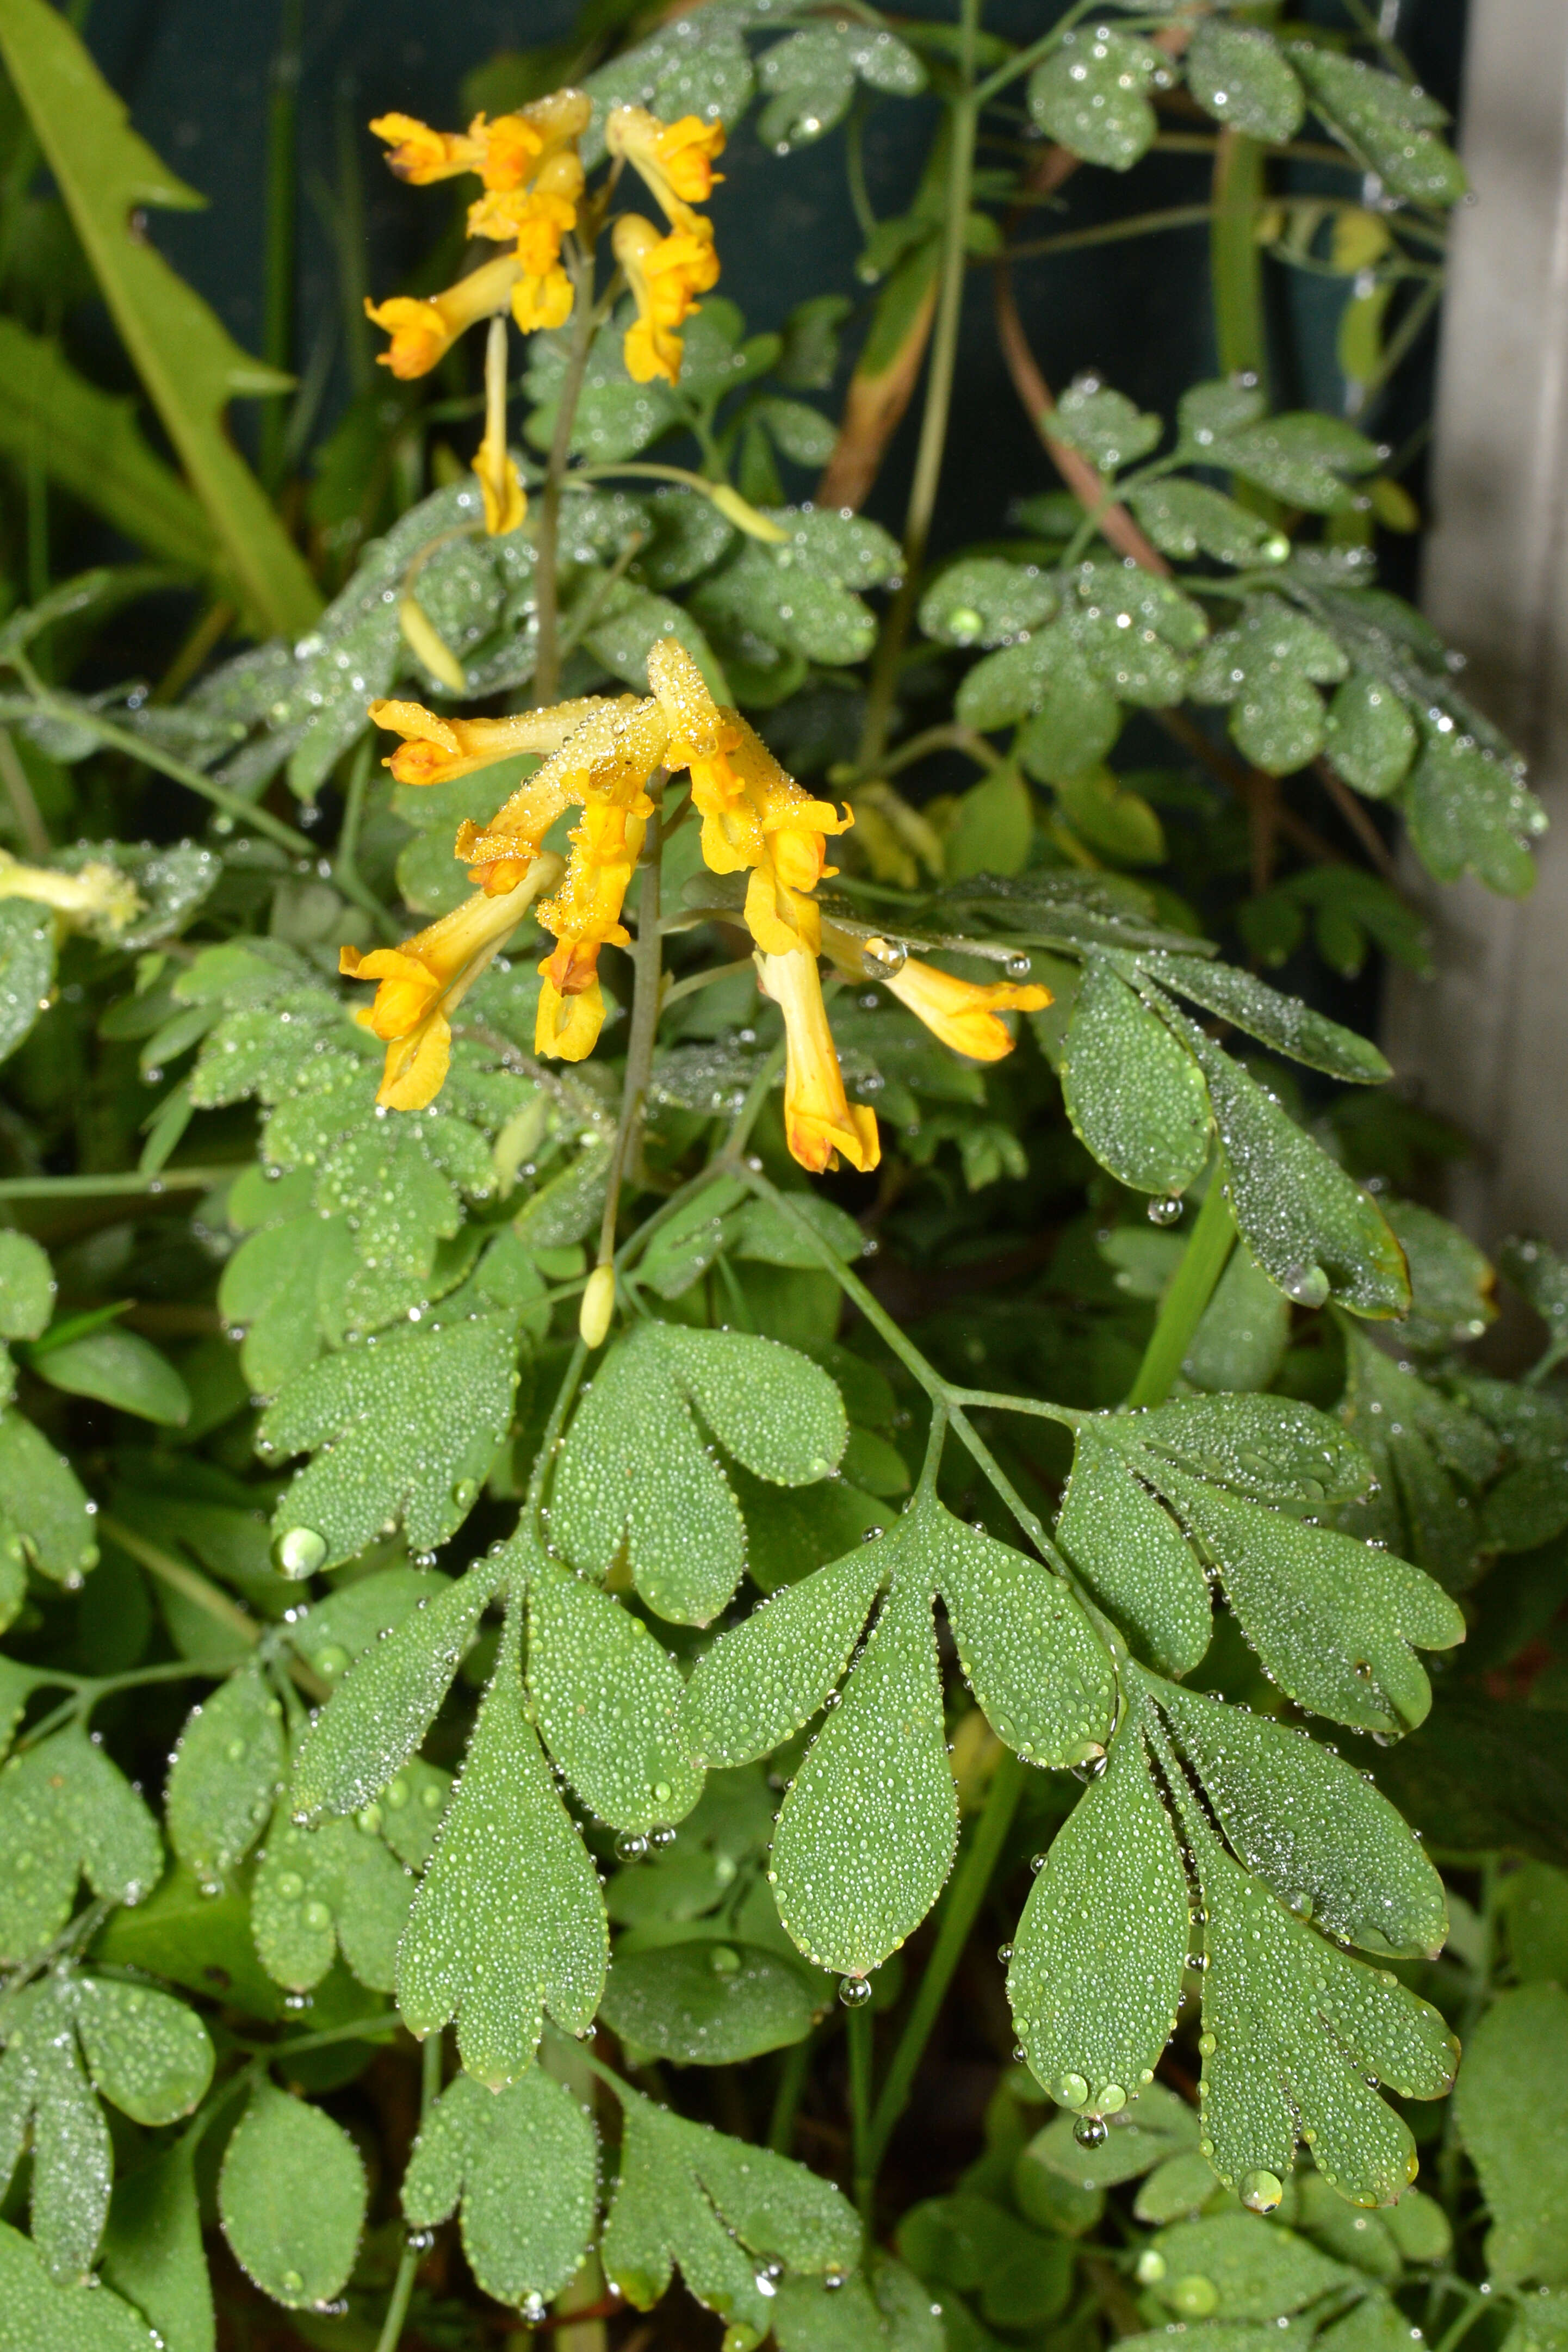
pixel 598 1306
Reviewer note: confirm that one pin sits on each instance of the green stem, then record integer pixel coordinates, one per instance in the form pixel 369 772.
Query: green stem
pixel 30 826
pixel 1023 59
pixel 189 1583
pixel 1191 1289
pixel 346 863
pixel 1235 261
pixel 571 1381
pixel 792 2077
pixel 1454 2335
pixel 963 128
pixel 1112 232
pixel 390 2335
pixel 282 207
pixel 93 1188
pixel 647 961
pixel 860 2039
pixel 959 1911
pixel 585 322
pixel 178 771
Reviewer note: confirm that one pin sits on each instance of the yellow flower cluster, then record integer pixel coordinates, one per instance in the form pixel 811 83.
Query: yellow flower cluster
pixel 533 186
pixel 603 756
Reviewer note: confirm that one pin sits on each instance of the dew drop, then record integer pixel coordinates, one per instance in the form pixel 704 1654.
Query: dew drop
pixel 1071 2091
pixel 1091 2131
pixel 854 1991
pixel 1261 2191
pixel 1165 1212
pixel 299 1551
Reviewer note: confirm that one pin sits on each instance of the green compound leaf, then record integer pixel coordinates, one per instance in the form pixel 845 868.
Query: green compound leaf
pixel 187 362
pixel 1313 1230
pixel 406 1430
pixel 292 2198
pixel 152 2251
pixel 983 599
pixel 607 1698
pixel 1451 1281
pixel 46 1522
pixel 1415 1436
pixel 1089 95
pixel 73 2161
pixel 1471 814
pixel 38 2316
pixel 1133 1557
pixel 1282 1022
pixel 721 2208
pixel 1041 1673
pixel 273 1288
pixel 1175 2189
pixel 885 2308
pixel 1134 1093
pixel 1187 519
pixel 1292 2029
pixel 1386 120
pixel 147 2053
pixel 225 1774
pixel 120 1368
pixel 766 1680
pixel 67 1811
pixel 26 968
pixel 1241 78
pixel 509 1920
pixel 1516 2067
pixel 1241 2270
pixel 868 1829
pixel 1269 1449
pixel 1266 668
pixel 388 1699
pixel 525 2163
pixel 1335 1622
pixel 1104 425
pixel 1334 1850
pixel 26 1287
pixel 317 1891
pixel 634 1472
pixel 1097 1961
pixel 706 2003
pixel 332 1634
pixel 1371 736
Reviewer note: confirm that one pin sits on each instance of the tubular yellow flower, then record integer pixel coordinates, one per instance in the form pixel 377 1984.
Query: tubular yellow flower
pixel 566 1028
pixel 819 1121
pixel 423 331
pixel 753 815
pixel 962 1012
pixel 536 220
pixel 506 154
pixel 96 897
pixel 674 160
pixel 423 981
pixel 436 749
pixel 501 485
pixel 610 756
pixel 664 273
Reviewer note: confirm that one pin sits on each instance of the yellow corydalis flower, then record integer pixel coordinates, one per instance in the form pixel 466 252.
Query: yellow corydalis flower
pixel 665 274
pixel 674 160
pixel 434 750
pixel 962 1012
pixel 506 154
pixel 423 981
pixel 97 896
pixel 535 219
pixel 424 330
pixel 755 818
pixel 819 1121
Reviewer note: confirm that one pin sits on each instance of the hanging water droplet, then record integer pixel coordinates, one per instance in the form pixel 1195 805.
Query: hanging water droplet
pixel 661 1837
pixel 854 1992
pixel 1166 1212
pixel 1005 1954
pixel 1091 2131
pixel 630 1846
pixel 1261 2191
pixel 533 2310
pixel 1307 1285
pixel 298 1552
pixel 883 959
